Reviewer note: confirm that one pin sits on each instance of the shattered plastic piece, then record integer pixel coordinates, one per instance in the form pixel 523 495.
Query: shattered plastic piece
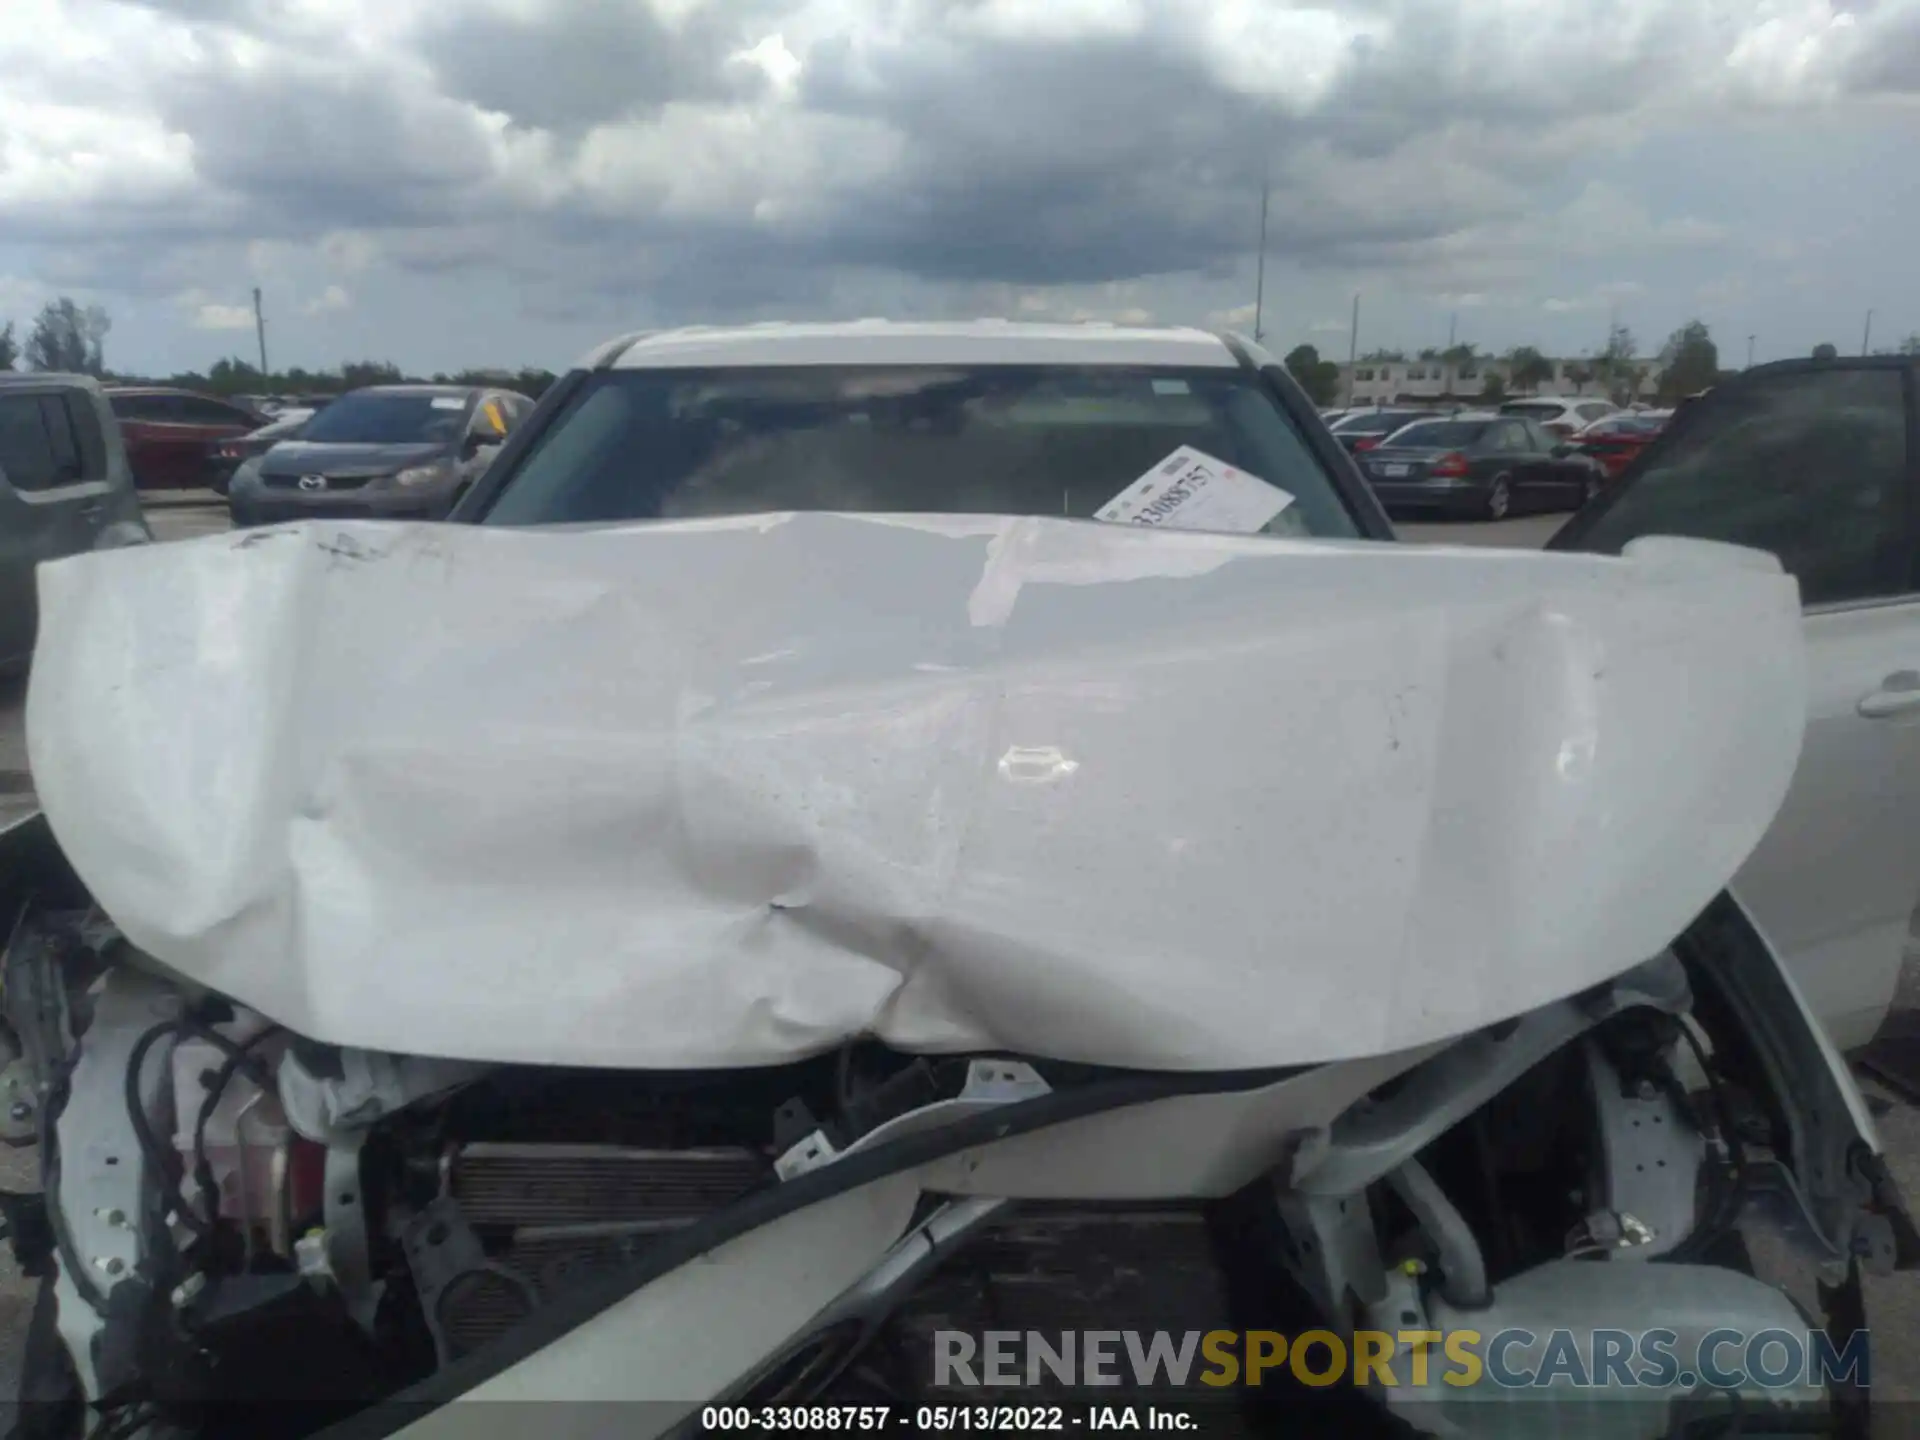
pixel 729 792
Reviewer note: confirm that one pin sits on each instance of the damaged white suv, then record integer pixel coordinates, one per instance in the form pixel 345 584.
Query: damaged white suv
pixel 878 946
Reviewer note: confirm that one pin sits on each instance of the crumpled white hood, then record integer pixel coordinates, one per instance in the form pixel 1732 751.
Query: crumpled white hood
pixel 730 792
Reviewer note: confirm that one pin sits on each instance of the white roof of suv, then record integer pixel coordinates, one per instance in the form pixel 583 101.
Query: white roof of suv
pixel 887 342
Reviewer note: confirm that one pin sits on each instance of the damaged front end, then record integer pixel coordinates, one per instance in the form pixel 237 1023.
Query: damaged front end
pixel 244 1232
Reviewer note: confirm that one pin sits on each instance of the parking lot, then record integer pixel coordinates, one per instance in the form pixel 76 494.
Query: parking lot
pixel 1894 1304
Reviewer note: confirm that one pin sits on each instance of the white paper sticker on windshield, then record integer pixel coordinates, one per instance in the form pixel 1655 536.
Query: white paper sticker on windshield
pixel 1190 490
pixel 449 402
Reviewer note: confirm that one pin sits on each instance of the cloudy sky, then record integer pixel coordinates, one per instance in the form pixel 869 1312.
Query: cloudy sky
pixel 503 182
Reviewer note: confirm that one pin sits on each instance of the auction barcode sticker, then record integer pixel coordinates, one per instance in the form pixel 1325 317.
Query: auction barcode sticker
pixel 1190 490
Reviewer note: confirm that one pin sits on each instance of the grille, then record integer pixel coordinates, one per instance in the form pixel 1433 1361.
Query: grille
pixel 573 1210
pixel 334 482
pixel 535 1185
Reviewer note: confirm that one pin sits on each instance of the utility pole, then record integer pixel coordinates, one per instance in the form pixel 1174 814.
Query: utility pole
pixel 1749 352
pixel 1866 335
pixel 1353 346
pixel 260 328
pixel 1453 321
pixel 1260 266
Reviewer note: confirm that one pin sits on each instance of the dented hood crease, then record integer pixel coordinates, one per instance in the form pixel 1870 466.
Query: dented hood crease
pixel 731 792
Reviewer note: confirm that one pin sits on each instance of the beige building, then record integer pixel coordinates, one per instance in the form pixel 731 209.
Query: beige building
pixel 1373 382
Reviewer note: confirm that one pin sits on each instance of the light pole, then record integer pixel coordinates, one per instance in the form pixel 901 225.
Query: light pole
pixel 1866 335
pixel 1749 352
pixel 1260 266
pixel 1353 345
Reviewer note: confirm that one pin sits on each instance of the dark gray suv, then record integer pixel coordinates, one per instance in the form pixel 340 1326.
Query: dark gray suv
pixel 64 488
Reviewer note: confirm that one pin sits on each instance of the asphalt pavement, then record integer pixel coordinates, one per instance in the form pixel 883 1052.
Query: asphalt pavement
pixel 1893 1303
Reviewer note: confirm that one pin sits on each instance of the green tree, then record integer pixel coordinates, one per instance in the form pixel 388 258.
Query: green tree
pixel 1825 352
pixel 1581 374
pixel 1613 367
pixel 1493 390
pixel 9 351
pixel 1689 362
pixel 1319 378
pixel 69 338
pixel 1527 368
pixel 1461 361
pixel 1911 345
pixel 1383 357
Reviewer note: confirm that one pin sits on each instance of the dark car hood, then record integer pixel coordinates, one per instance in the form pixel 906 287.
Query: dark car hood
pixel 301 457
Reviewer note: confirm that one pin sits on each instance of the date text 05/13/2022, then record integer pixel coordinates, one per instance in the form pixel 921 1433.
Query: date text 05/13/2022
pixel 942 1419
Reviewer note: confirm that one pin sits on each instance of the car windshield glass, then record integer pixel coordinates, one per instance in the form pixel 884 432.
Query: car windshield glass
pixel 1546 411
pixel 377 419
pixel 1012 440
pixel 1450 434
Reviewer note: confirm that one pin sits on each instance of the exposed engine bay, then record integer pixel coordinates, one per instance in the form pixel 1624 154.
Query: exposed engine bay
pixel 246 1233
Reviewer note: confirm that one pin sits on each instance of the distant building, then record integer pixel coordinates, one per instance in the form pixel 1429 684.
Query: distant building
pixel 1379 382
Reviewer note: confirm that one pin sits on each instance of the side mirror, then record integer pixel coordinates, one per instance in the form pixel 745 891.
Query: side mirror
pixel 1561 451
pixel 477 442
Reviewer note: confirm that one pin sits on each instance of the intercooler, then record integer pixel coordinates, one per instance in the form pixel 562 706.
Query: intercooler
pixel 549 1214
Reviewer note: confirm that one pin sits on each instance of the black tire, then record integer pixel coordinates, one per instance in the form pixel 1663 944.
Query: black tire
pixel 1500 498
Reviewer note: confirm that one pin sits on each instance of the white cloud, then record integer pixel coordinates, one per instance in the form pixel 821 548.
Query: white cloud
pixel 223 317
pixel 334 297
pixel 621 161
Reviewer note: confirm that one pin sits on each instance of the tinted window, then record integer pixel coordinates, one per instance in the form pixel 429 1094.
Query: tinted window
pixel 1539 410
pixel 198 410
pixel 47 441
pixel 372 417
pixel 1016 440
pixel 1811 465
pixel 1443 434
pixel 144 407
pixel 1593 412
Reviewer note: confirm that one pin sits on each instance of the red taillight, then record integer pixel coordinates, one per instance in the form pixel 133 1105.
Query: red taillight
pixel 1366 444
pixel 1450 467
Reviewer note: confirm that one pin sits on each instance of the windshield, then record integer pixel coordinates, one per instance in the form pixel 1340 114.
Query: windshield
pixel 1437 434
pixel 1011 440
pixel 371 417
pixel 1538 410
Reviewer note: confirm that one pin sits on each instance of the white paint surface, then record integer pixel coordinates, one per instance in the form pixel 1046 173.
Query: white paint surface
pixel 728 792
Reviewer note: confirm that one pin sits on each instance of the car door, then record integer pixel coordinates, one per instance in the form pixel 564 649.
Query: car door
pixel 203 424
pixel 1501 454
pixel 54 497
pixel 1817 465
pixel 157 436
pixel 1564 474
